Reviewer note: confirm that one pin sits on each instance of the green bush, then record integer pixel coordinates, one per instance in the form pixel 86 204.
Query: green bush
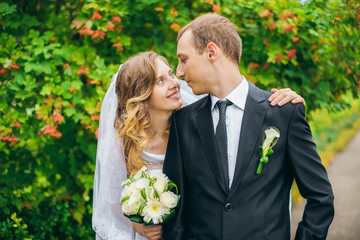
pixel 57 59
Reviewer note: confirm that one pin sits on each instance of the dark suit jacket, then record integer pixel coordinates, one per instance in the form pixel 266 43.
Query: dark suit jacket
pixel 256 206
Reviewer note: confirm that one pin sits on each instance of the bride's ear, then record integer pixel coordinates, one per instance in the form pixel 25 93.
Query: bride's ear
pixel 212 51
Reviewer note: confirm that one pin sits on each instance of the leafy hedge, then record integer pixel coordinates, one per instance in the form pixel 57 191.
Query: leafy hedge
pixel 57 58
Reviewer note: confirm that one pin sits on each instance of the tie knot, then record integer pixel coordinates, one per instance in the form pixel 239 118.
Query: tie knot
pixel 222 104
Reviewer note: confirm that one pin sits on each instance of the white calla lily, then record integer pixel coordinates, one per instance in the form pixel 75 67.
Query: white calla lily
pixel 271 135
pixel 135 197
pixel 139 173
pixel 142 183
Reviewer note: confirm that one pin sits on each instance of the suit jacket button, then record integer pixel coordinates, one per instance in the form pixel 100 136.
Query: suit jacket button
pixel 228 207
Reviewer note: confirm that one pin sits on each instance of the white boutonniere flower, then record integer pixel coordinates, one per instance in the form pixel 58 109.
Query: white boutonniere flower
pixel 270 138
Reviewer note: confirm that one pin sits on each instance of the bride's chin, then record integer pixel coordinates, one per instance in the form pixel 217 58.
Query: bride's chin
pixel 178 106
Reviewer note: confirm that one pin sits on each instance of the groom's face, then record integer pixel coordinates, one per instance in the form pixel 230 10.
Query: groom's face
pixel 192 67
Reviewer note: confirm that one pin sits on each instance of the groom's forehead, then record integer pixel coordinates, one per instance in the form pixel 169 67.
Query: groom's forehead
pixel 186 39
pixel 185 49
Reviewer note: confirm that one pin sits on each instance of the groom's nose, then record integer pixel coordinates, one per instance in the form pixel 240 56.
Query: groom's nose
pixel 180 72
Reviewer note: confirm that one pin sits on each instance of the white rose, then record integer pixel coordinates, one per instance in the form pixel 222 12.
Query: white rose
pixel 133 208
pixel 125 207
pixel 135 197
pixel 161 182
pixel 169 199
pixel 128 190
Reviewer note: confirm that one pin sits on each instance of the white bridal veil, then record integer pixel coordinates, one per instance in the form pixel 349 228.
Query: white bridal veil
pixel 108 220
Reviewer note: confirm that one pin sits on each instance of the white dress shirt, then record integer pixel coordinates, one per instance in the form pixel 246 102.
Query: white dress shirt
pixel 234 116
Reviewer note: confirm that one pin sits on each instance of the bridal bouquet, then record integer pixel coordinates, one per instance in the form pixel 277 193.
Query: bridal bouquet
pixel 148 198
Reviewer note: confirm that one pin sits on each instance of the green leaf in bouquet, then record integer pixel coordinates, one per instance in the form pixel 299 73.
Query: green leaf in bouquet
pixel 149 223
pixel 156 193
pixel 143 194
pixel 141 208
pixel 124 199
pixel 169 216
pixel 134 218
pixel 170 185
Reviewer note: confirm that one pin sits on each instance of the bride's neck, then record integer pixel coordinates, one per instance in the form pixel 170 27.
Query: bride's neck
pixel 158 132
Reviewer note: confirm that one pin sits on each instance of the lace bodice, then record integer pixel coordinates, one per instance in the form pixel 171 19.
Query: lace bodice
pixel 154 162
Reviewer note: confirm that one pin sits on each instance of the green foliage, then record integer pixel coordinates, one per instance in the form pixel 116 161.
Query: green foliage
pixel 12 228
pixel 326 126
pixel 57 59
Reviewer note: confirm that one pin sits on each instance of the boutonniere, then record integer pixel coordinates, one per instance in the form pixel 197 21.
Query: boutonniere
pixel 270 138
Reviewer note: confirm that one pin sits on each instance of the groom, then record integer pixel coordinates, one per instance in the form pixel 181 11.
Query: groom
pixel 213 148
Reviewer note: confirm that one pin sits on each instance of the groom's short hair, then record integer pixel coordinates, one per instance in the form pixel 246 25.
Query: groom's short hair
pixel 217 29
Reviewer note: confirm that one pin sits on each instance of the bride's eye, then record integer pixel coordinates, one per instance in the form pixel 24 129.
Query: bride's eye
pixel 171 74
pixel 160 81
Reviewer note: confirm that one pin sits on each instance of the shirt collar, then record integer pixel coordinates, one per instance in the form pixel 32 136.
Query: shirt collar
pixel 237 96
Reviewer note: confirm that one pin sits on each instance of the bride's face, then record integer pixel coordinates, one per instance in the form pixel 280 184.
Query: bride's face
pixel 166 92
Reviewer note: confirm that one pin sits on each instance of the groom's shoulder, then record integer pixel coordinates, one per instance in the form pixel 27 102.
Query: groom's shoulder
pixel 287 108
pixel 195 106
pixel 191 109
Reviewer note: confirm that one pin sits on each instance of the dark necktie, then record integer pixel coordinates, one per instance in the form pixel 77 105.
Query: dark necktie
pixel 221 139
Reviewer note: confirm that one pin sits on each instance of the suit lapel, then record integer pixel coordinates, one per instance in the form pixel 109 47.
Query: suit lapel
pixel 204 125
pixel 254 114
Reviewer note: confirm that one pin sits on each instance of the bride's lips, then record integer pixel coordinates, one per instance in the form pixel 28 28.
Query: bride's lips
pixel 174 95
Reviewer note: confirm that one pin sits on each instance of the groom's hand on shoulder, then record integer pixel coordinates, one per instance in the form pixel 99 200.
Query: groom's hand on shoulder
pixel 282 96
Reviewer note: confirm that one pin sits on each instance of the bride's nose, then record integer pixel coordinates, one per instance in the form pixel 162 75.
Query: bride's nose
pixel 174 83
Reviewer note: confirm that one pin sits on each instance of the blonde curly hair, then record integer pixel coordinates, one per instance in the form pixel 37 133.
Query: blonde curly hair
pixel 134 85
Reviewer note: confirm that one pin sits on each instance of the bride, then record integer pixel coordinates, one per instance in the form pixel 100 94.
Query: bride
pixel 133 132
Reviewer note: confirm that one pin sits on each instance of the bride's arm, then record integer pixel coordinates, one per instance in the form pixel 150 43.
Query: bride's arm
pixel 279 97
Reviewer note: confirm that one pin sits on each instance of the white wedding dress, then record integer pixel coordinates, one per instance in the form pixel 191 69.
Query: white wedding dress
pixel 108 221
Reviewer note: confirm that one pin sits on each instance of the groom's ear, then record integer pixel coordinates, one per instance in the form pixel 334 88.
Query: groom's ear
pixel 212 50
